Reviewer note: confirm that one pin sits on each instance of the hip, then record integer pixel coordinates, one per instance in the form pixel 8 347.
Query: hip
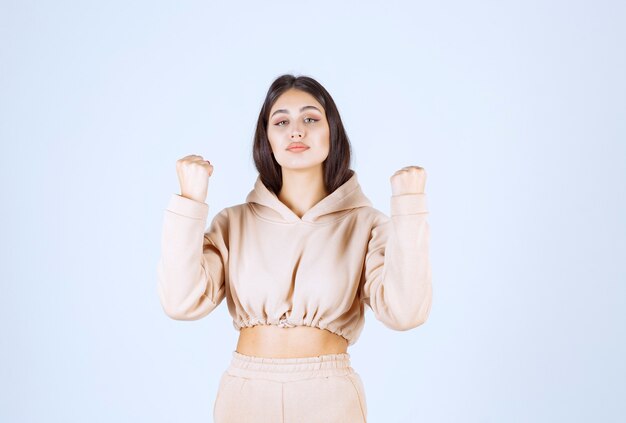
pixel 322 388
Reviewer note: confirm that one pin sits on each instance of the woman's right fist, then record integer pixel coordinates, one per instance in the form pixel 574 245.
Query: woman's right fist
pixel 193 175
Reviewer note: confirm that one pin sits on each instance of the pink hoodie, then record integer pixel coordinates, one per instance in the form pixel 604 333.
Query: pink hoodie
pixel 320 270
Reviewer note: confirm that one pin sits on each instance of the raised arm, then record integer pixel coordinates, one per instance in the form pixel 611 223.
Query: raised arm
pixel 191 267
pixel 397 281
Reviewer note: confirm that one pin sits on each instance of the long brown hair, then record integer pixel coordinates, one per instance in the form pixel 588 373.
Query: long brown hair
pixel 336 167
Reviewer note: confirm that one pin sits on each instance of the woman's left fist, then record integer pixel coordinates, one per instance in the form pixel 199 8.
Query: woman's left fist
pixel 408 180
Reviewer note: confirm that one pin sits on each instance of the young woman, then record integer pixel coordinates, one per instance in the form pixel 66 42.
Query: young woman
pixel 297 263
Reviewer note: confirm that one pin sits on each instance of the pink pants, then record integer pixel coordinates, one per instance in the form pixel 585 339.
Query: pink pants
pixel 322 389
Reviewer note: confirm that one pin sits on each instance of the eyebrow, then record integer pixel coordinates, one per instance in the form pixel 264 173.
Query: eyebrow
pixel 301 109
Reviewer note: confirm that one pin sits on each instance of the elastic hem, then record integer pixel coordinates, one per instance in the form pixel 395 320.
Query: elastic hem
pixel 291 322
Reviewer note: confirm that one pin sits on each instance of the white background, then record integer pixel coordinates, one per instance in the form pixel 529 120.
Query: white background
pixel 515 109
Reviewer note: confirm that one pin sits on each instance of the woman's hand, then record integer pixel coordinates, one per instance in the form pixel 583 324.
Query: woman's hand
pixel 193 175
pixel 408 180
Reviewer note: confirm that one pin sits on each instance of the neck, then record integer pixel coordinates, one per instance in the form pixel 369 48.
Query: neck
pixel 302 189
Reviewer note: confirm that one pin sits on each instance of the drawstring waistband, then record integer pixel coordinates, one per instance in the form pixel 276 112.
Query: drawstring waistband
pixel 288 369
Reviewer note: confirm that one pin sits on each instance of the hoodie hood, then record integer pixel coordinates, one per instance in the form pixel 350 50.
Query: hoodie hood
pixel 346 197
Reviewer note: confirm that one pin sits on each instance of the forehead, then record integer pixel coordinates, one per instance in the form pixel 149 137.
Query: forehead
pixel 294 99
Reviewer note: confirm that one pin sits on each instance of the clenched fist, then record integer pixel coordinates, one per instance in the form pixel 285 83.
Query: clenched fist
pixel 193 175
pixel 408 180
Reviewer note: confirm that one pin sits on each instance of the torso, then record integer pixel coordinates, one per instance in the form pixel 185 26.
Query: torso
pixel 300 341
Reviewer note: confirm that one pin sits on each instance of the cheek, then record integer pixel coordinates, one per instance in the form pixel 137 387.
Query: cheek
pixel 274 135
pixel 326 139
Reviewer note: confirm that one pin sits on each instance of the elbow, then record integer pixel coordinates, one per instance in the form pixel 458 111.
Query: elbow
pixel 184 308
pixel 176 310
pixel 181 312
pixel 404 324
pixel 177 313
pixel 411 318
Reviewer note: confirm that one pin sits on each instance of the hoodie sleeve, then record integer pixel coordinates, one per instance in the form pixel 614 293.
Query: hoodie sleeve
pixel 191 266
pixel 397 282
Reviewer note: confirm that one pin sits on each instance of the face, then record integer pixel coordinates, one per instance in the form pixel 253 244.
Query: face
pixel 297 119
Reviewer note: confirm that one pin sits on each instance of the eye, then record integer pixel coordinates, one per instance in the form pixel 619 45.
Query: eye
pixel 280 123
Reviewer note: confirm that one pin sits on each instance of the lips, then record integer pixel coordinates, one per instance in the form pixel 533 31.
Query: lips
pixel 297 146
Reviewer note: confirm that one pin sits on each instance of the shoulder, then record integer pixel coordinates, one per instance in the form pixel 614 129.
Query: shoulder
pixel 372 215
pixel 232 212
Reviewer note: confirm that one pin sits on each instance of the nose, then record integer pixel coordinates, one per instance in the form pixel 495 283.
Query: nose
pixel 296 133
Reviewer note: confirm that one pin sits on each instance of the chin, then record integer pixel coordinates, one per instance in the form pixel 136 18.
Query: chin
pixel 300 166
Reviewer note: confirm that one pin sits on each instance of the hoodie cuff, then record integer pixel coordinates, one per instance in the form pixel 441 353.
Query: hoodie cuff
pixel 187 207
pixel 408 204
